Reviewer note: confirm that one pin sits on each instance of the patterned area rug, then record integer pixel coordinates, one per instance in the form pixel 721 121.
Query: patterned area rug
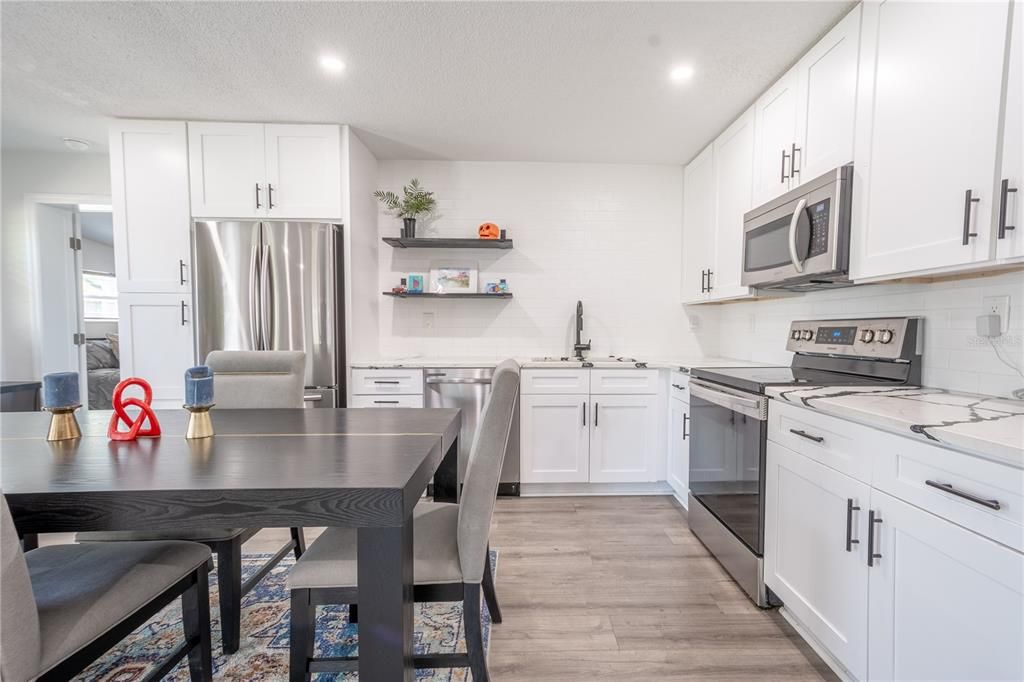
pixel 263 654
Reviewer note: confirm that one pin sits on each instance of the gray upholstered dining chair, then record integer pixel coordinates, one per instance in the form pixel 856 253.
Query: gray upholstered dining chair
pixel 241 379
pixel 450 551
pixel 63 607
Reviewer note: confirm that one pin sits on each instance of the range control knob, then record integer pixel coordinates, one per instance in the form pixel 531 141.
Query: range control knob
pixel 795 335
pixel 806 335
pixel 885 336
pixel 867 336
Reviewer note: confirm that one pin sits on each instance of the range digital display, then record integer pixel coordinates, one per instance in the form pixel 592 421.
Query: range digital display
pixel 836 336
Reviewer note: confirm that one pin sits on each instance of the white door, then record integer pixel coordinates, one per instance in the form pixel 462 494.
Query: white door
pixel 945 603
pixel 734 167
pixel 1010 243
pixel 304 171
pixel 806 557
pixel 554 438
pixel 698 225
pixel 827 101
pixel 227 170
pixel 775 138
pixel 58 290
pixel 679 448
pixel 623 438
pixel 150 194
pixel 156 343
pixel 927 131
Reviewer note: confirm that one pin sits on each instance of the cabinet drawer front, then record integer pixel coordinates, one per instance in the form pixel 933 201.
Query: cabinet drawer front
pixel 834 442
pixel 555 381
pixel 679 386
pixel 387 401
pixel 922 474
pixel 387 381
pixel 623 381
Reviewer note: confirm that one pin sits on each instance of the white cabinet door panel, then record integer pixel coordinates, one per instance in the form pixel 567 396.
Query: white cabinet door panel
pixel 150 197
pixel 679 448
pixel 227 170
pixel 554 439
pixel 1010 243
pixel 927 132
pixel 698 225
pixel 734 167
pixel 623 439
pixel 156 343
pixel 775 137
pixel 945 603
pixel 304 171
pixel 806 559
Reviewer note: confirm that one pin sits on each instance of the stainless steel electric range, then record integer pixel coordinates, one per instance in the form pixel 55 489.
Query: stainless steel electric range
pixel 729 426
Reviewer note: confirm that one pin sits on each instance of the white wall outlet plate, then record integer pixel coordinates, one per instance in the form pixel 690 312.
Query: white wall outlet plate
pixel 998 305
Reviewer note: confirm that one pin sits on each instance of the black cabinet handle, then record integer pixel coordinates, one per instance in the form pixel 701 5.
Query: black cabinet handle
pixel 804 434
pixel 872 554
pixel 948 487
pixel 703 280
pixel 783 175
pixel 385 402
pixel 710 273
pixel 388 381
pixel 584 406
pixel 270 195
pixel 686 420
pixel 1004 191
pixel 597 407
pixel 181 271
pixel 968 200
pixel 258 195
pixel 850 508
pixel 681 388
pixel 793 170
pixel 183 320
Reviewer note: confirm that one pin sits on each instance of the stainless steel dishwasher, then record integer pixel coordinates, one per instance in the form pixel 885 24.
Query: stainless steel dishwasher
pixel 467 389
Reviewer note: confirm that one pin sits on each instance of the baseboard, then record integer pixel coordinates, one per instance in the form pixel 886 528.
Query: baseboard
pixel 818 648
pixel 592 489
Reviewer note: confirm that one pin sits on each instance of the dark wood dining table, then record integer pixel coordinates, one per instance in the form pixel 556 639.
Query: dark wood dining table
pixel 358 468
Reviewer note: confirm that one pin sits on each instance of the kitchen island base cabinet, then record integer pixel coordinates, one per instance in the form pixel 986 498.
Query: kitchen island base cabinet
pixel 945 603
pixel 555 438
pixel 623 438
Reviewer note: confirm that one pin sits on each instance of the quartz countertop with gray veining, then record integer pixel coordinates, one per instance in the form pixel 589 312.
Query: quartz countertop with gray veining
pixel 989 426
pixel 683 364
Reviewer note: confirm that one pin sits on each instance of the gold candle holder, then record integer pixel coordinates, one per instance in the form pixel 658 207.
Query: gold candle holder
pixel 63 424
pixel 199 423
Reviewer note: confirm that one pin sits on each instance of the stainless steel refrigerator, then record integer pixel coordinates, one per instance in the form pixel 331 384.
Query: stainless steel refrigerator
pixel 273 285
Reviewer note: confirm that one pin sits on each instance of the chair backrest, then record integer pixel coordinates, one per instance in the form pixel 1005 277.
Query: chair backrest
pixel 257 378
pixel 484 470
pixel 20 645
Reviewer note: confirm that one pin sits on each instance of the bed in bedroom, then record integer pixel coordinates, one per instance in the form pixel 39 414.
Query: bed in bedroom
pixel 104 369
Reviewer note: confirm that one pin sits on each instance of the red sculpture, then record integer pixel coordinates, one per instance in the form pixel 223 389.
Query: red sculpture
pixel 145 416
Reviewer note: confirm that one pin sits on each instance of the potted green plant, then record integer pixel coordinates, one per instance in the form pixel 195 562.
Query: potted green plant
pixel 414 202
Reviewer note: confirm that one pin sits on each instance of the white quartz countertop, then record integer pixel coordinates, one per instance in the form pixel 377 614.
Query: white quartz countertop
pixel 985 425
pixel 682 364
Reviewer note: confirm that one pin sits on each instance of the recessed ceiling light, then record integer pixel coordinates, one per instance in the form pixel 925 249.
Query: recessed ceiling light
pixel 76 145
pixel 682 73
pixel 331 64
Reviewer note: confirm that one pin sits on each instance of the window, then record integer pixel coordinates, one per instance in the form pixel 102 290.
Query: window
pixel 99 294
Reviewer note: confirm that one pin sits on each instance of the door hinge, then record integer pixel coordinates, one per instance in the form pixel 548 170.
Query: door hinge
pixel 74 243
pixel 78 339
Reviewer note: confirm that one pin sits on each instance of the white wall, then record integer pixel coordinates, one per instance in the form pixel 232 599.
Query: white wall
pixel 363 300
pixel 954 356
pixel 606 234
pixel 97 256
pixel 25 173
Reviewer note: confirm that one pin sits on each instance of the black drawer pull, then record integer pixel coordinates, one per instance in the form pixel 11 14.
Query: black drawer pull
pixel 385 402
pixel 681 388
pixel 804 434
pixel 850 508
pixel 948 487
pixel 388 381
pixel 969 199
pixel 872 554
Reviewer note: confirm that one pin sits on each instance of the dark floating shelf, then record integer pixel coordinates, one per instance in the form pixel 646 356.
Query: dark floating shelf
pixel 429 295
pixel 445 243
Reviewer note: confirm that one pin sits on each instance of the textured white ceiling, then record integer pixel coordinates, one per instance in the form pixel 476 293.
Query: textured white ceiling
pixel 471 80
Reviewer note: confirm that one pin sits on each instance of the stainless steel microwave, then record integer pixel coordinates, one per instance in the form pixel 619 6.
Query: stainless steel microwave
pixel 802 239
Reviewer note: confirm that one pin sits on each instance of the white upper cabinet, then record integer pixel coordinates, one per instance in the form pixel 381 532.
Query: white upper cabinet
pixel 827 99
pixel 776 138
pixel 927 131
pixel 256 170
pixel 150 203
pixel 734 167
pixel 698 226
pixel 303 171
pixel 1010 243
pixel 227 169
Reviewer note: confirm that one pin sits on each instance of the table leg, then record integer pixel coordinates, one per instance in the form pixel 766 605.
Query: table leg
pixel 446 478
pixel 29 541
pixel 385 574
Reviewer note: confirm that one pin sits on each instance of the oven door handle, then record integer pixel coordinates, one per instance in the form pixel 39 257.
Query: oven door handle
pixel 793 223
pixel 745 403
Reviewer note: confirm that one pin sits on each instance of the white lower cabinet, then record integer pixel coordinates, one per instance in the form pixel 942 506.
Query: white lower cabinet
pixel 815 556
pixel 679 448
pixel 623 438
pixel 156 343
pixel 555 438
pixel 945 603
pixel 386 401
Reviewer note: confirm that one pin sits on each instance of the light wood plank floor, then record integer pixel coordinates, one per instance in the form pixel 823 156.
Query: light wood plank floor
pixel 617 588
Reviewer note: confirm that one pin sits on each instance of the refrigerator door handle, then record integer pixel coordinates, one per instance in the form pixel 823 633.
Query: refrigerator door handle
pixel 266 303
pixel 254 297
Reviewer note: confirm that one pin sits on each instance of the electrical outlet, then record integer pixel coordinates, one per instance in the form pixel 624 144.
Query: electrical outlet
pixel 428 320
pixel 998 305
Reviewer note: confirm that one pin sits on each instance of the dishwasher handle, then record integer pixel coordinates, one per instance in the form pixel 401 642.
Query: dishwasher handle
pixel 431 380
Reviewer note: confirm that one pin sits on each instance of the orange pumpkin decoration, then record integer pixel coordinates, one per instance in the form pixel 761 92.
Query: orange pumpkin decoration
pixel 489 231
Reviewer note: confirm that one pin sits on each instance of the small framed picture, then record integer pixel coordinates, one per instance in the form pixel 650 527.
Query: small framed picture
pixel 415 283
pixel 453 279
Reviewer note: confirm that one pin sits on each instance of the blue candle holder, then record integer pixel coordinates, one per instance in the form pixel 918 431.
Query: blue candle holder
pixel 198 401
pixel 61 397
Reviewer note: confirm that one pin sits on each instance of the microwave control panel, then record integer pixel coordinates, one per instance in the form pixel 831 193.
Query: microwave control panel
pixel 887 338
pixel 819 216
